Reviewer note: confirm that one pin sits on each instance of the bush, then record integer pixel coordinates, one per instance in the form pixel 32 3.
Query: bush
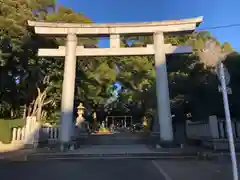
pixel 6 126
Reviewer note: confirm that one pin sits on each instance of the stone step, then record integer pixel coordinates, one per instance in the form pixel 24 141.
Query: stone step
pixel 124 141
pixel 69 156
pixel 139 151
pixel 113 140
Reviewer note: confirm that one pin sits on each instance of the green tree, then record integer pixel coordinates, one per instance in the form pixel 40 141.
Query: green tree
pixel 191 83
pixel 19 46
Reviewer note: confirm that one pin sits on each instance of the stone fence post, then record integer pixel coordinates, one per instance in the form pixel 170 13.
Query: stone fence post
pixel 213 126
pixel 31 136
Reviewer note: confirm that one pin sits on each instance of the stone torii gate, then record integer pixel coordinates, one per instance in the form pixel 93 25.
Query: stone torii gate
pixel 158 49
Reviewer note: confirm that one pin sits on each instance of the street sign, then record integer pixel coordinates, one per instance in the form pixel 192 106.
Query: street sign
pixel 226 73
pixel 229 90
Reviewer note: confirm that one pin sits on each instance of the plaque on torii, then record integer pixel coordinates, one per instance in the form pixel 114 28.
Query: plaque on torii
pixel 71 50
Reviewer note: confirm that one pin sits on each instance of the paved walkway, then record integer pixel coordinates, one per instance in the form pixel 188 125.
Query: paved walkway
pixel 195 170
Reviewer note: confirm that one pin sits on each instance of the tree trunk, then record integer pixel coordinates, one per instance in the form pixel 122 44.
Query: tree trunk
pixel 12 112
pixel 29 111
pixel 39 112
pixel 24 112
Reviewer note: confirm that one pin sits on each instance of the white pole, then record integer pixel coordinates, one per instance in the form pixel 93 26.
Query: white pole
pixel 68 88
pixel 229 123
pixel 162 91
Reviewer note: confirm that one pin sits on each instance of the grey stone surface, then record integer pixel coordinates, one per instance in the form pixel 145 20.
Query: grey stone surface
pixel 156 127
pixel 179 133
pixel 123 138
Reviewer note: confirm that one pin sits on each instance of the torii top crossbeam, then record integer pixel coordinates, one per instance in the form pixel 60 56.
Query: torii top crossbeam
pixel 58 28
pixel 114 31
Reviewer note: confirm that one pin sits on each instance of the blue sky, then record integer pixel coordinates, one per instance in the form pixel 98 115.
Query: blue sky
pixel 215 13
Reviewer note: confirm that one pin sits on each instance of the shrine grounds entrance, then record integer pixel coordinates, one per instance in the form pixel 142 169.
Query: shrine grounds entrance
pixel 159 49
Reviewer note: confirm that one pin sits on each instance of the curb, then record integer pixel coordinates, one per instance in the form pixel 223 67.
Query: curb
pixel 149 156
pixel 37 156
pixel 110 158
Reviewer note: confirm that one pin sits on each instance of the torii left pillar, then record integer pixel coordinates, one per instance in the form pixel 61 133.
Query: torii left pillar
pixel 66 130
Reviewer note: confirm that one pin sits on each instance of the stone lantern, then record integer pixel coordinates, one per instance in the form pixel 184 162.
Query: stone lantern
pixel 80 113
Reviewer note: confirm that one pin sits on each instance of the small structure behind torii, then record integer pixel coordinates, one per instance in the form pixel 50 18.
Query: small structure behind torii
pixel 71 50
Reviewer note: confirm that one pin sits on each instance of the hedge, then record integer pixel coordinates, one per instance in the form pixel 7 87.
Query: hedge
pixel 6 126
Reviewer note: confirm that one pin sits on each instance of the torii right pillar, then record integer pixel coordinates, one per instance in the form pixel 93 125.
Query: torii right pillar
pixel 162 91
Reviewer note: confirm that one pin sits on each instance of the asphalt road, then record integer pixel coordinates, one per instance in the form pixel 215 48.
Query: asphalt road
pixel 117 170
